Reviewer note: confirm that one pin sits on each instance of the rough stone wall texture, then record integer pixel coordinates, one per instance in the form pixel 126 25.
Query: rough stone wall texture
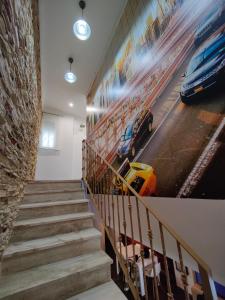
pixel 20 105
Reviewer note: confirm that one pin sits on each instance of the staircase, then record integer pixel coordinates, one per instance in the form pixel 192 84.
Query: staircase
pixel 55 249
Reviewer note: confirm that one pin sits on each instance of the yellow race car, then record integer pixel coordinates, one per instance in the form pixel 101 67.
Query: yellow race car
pixel 140 176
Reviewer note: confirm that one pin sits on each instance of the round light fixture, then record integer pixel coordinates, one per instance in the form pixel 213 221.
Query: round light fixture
pixel 70 76
pixel 81 28
pixel 71 104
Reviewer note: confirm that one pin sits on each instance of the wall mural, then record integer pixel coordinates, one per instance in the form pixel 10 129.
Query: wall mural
pixel 158 113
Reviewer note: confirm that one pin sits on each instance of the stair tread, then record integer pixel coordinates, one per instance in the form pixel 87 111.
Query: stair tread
pixel 54 191
pixel 49 242
pixel 99 293
pixel 20 281
pixel 54 219
pixel 50 204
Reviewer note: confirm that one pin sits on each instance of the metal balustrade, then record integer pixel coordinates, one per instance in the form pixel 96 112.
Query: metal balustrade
pixel 125 210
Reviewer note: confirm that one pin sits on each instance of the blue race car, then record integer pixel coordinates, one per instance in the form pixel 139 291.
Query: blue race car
pixel 206 68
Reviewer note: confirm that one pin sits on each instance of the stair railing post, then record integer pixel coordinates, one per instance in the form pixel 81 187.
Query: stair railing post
pixel 118 218
pixel 142 250
pixel 169 290
pixel 105 196
pixel 108 197
pixel 183 272
pixel 208 284
pixel 113 218
pixel 134 266
pixel 83 159
pixel 150 236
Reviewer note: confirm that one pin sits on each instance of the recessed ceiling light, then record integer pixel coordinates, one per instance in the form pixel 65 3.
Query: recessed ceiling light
pixel 81 28
pixel 71 104
pixel 70 76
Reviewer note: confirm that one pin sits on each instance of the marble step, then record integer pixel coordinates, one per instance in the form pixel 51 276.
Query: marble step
pixel 42 227
pixel 44 209
pixel 46 185
pixel 57 281
pixel 52 195
pixel 28 254
pixel 108 290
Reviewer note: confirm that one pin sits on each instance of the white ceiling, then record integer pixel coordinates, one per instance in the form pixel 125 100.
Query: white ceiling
pixel 58 43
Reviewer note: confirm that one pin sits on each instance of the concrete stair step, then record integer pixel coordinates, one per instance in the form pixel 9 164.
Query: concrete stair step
pixel 28 254
pixel 53 195
pixel 42 227
pixel 44 209
pixel 59 280
pixel 45 185
pixel 108 290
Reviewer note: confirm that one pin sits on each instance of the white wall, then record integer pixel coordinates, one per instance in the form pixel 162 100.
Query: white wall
pixel 65 162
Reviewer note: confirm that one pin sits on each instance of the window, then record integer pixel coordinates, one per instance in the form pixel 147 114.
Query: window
pixel 48 137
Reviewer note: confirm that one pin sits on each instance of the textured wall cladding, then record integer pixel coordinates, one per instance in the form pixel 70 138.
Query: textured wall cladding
pixel 20 106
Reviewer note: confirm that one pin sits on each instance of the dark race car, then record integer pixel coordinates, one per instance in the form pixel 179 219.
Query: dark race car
pixel 211 22
pixel 206 68
pixel 134 133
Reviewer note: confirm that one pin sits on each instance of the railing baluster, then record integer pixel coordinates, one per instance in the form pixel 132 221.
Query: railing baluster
pixel 131 224
pixel 118 216
pixel 169 291
pixel 108 197
pixel 101 199
pixel 208 284
pixel 93 178
pixel 93 175
pixel 113 217
pixel 97 181
pixel 83 159
pixel 125 232
pixel 142 250
pixel 150 236
pixel 132 236
pixel 87 165
pixel 105 195
pixel 183 272
pixel 124 226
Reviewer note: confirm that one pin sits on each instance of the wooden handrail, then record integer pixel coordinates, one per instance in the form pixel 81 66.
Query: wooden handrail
pixel 176 236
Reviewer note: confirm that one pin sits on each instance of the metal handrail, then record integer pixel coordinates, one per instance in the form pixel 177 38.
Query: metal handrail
pixel 205 271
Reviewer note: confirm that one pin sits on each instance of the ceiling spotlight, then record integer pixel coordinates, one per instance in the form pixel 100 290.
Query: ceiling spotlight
pixel 70 76
pixel 81 28
pixel 71 104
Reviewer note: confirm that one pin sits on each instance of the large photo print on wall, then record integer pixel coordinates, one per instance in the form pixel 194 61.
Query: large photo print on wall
pixel 158 113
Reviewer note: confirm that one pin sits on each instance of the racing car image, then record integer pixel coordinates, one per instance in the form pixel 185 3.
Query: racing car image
pixel 206 68
pixel 140 177
pixel 132 137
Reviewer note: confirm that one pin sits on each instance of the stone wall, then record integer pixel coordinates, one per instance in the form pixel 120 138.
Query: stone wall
pixel 20 105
